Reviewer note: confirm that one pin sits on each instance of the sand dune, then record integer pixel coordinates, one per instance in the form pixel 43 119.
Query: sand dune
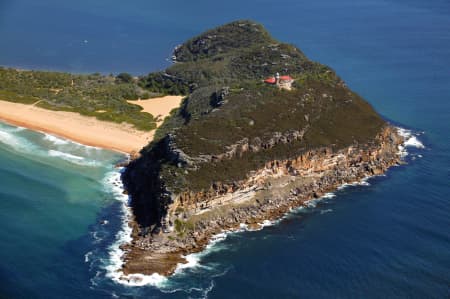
pixel 88 130
pixel 159 107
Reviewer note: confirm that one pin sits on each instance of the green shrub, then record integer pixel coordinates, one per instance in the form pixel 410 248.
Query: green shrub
pixel 84 94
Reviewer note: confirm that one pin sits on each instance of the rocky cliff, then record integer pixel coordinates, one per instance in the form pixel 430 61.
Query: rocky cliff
pixel 189 219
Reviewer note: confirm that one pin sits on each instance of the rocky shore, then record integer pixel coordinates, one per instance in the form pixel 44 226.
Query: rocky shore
pixel 191 219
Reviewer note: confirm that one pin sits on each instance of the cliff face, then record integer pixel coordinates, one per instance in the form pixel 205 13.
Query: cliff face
pixel 240 151
pixel 189 219
pixel 326 167
pixel 143 182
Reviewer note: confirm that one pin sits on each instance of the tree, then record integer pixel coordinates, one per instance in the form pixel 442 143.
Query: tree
pixel 124 78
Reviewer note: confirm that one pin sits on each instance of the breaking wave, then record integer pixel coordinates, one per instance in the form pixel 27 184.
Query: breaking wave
pixel 113 265
pixel 113 184
pixel 65 156
pixel 42 145
pixel 55 140
pixel 74 158
pixel 411 140
pixel 15 142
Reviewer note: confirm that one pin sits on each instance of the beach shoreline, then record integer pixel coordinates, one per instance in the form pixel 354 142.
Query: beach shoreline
pixel 123 138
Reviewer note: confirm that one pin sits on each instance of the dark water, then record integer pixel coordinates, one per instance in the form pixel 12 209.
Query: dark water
pixel 389 239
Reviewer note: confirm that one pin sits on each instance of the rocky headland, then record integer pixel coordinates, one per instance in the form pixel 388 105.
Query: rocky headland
pixel 240 151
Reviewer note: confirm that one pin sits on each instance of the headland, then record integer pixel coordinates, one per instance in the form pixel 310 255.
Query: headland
pixel 263 130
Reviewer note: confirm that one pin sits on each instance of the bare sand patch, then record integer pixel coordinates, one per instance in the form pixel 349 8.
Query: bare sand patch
pixel 159 107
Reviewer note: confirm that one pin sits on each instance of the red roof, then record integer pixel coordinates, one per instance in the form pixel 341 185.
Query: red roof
pixel 286 78
pixel 270 80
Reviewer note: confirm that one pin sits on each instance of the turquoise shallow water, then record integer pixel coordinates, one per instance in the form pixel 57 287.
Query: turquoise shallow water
pixel 52 195
pixel 388 239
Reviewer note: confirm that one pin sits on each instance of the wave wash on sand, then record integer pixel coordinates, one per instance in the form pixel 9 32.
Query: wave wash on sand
pixel 88 130
pixel 50 149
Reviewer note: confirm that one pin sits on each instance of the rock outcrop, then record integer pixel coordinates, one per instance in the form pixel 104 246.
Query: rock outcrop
pixel 190 219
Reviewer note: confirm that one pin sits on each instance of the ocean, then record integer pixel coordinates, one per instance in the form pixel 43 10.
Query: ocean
pixel 61 207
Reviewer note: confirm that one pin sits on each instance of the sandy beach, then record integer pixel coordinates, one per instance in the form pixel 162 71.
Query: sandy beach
pixel 88 130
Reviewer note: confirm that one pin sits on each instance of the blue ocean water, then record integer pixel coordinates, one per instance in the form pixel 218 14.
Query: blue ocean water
pixel 388 239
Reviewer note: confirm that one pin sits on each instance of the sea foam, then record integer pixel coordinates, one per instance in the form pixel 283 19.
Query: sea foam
pixel 113 184
pixel 58 147
pixel 55 140
pixel 362 182
pixel 65 156
pixel 74 159
pixel 193 260
pixel 414 142
pixel 410 140
pixel 15 142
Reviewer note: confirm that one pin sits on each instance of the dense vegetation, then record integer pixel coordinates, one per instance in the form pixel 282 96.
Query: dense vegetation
pixel 237 52
pixel 104 97
pixel 164 84
pixel 228 102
